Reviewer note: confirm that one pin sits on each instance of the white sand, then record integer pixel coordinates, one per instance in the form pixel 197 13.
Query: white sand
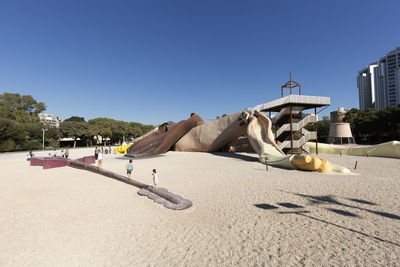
pixel 70 217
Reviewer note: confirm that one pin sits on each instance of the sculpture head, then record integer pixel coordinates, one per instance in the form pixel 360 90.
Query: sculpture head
pixel 245 117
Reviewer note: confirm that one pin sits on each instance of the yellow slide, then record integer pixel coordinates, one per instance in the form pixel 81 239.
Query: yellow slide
pixel 122 149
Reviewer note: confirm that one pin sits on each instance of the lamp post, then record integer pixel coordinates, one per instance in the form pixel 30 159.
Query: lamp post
pixel 43 130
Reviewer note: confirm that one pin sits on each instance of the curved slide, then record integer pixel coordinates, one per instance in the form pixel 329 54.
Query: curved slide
pixel 213 135
pixel 162 140
pixel 261 139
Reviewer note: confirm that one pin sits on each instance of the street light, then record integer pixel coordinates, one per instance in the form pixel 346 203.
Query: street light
pixel 43 130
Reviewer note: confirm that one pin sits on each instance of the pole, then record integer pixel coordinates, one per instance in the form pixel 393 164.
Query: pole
pixel 316 131
pixel 43 130
pixel 291 130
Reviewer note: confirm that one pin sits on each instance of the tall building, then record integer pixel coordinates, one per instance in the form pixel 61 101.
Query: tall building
pixel 381 80
pixel 387 80
pixel 366 86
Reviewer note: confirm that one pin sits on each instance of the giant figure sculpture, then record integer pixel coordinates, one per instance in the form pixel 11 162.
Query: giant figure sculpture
pixel 194 135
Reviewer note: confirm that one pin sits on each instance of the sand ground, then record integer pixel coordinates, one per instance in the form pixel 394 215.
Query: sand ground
pixel 242 215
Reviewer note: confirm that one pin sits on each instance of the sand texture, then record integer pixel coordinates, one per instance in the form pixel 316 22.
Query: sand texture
pixel 242 214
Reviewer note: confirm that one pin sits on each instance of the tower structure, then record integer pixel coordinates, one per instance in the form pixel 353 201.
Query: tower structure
pixel 290 119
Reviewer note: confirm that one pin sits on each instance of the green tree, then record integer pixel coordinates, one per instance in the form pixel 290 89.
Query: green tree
pixel 12 135
pixel 75 130
pixel 39 108
pixel 75 118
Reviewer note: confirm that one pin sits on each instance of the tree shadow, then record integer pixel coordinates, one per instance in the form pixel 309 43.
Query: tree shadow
pixel 290 205
pixel 385 214
pixel 361 201
pixel 343 212
pixel 265 206
pixel 305 214
pixel 236 156
pixel 328 199
pixel 349 229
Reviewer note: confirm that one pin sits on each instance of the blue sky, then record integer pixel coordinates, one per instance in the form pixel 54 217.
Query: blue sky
pixel 153 61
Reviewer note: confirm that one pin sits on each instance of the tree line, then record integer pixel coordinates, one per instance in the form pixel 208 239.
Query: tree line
pixel 368 126
pixel 21 128
pixel 373 126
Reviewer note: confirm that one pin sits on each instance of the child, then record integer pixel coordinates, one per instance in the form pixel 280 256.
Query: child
pixel 30 155
pixel 100 158
pixel 129 168
pixel 155 178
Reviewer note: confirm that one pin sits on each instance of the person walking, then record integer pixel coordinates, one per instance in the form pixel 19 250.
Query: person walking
pixel 129 168
pixel 96 153
pixel 155 178
pixel 66 153
pixel 99 158
pixel 30 155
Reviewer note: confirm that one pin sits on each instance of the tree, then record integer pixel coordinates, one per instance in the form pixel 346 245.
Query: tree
pixel 322 129
pixel 75 130
pixel 20 108
pixel 12 135
pixel 39 108
pixel 75 118
pixel 351 115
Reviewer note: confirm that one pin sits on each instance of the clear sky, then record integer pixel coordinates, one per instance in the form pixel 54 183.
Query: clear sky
pixel 157 60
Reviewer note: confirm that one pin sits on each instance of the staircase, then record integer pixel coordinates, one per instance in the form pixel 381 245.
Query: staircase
pixel 299 143
pixel 296 126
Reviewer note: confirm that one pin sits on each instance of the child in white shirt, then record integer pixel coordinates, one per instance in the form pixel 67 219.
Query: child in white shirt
pixel 155 178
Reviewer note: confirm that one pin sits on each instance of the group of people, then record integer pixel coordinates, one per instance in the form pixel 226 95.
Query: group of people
pixel 64 154
pixel 98 155
pixel 129 169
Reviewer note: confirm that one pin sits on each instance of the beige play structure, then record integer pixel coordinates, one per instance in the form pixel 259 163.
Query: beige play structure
pixel 287 146
pixel 389 149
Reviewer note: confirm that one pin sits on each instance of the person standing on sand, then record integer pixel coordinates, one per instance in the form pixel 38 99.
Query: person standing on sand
pixel 129 168
pixel 155 178
pixel 96 153
pixel 30 155
pixel 100 158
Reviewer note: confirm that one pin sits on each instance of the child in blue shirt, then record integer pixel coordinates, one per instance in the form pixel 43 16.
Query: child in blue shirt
pixel 129 168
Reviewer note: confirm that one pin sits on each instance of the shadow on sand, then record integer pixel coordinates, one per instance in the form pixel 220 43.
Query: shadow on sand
pixel 331 200
pixel 236 156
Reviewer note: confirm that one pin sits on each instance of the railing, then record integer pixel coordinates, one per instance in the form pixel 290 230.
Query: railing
pixel 296 126
pixel 300 142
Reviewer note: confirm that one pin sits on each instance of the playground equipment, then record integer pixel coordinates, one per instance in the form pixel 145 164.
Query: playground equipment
pixel 214 135
pixel 159 195
pixel 122 149
pixel 389 149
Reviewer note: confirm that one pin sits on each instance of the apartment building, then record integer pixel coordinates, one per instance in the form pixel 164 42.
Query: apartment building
pixel 366 86
pixel 51 120
pixel 379 83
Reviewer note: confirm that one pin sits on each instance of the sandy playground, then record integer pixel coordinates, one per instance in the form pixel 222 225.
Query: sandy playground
pixel 242 214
